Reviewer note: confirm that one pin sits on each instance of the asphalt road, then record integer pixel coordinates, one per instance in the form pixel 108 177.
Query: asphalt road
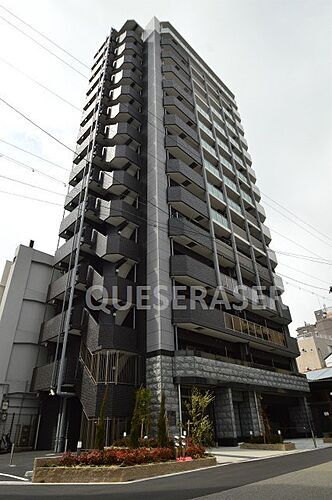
pixel 182 486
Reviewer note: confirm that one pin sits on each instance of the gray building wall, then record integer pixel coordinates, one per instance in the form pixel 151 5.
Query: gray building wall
pixel 22 307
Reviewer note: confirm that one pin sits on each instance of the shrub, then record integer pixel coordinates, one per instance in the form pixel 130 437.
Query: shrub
pixel 272 439
pixel 118 457
pixel 195 451
pixel 123 442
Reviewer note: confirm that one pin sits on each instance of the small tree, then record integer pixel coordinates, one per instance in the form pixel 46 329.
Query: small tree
pixel 141 418
pixel 200 422
pixel 100 429
pixel 267 426
pixel 162 437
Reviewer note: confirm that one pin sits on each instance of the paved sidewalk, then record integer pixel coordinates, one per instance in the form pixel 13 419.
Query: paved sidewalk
pixel 22 461
pixel 228 454
pixel 314 482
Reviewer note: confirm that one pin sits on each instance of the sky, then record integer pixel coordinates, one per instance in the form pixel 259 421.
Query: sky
pixel 275 55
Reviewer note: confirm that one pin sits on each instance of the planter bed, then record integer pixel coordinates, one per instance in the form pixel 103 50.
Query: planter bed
pixel 46 470
pixel 327 440
pixel 267 446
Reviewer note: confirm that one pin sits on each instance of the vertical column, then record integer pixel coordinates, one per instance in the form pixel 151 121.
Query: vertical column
pixel 250 415
pixel 225 418
pixel 159 328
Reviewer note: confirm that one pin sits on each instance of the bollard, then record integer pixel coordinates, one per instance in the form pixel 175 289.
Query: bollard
pixel 11 456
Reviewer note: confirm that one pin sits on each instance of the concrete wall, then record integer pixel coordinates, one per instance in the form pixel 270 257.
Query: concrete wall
pixel 21 314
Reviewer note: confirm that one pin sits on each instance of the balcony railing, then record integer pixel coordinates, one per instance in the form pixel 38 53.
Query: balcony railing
pixel 235 206
pixel 231 184
pixel 203 113
pixel 211 168
pixel 247 197
pixel 253 329
pixel 220 219
pixel 216 192
pixel 227 164
pixel 209 148
pixel 206 129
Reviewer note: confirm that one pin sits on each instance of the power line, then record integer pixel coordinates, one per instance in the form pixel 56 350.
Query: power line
pixel 306 274
pixel 145 219
pixel 297 224
pixel 43 47
pixel 302 283
pixel 40 84
pixel 294 215
pixel 304 257
pixel 44 36
pixel 32 169
pixel 31 198
pixel 298 244
pixel 36 125
pixel 31 185
pixel 64 50
pixel 307 291
pixel 36 156
pixel 71 150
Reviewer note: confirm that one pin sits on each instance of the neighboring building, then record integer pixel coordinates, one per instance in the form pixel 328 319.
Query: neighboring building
pixel 328 361
pixel 315 342
pixel 163 193
pixel 23 288
pixel 320 383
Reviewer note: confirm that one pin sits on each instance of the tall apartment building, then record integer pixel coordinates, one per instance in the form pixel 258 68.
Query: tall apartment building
pixel 163 193
pixel 23 293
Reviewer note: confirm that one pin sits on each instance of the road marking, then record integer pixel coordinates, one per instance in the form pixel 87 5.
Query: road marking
pixel 14 477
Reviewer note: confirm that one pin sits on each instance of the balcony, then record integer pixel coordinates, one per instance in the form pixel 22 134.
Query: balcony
pixel 217 198
pixel 170 71
pixel 190 235
pixel 278 283
pixel 130 36
pixel 246 264
pixel 182 150
pixel 191 272
pixel 126 77
pixel 123 112
pixel 120 157
pixel 195 318
pixel 125 94
pixel 58 287
pixel 225 252
pixel 62 255
pixel 251 329
pixel 115 212
pixel 115 247
pixel 179 127
pixel 186 203
pixel 128 61
pixel 273 258
pixel 167 40
pixel 223 227
pixel 67 226
pixel 261 212
pixel 52 328
pixel 42 377
pixel 128 47
pixel 175 89
pixel 181 172
pixel 176 106
pixel 170 56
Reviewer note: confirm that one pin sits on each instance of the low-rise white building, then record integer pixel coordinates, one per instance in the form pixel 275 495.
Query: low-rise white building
pixel 23 292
